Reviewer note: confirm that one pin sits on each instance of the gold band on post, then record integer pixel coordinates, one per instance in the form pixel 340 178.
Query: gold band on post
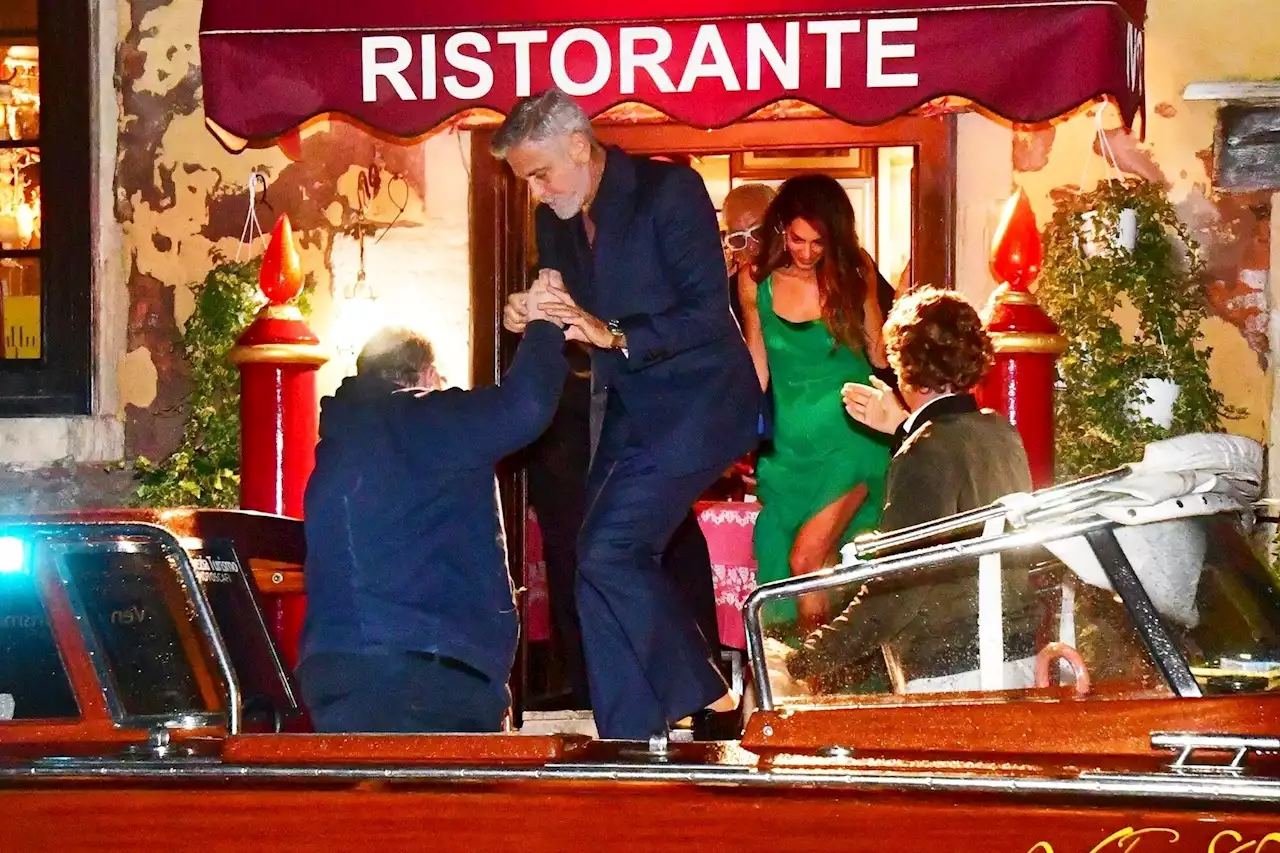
pixel 1031 342
pixel 1017 297
pixel 279 354
pixel 288 311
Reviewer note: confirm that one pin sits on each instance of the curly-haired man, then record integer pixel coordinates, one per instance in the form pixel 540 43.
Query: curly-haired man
pixel 952 457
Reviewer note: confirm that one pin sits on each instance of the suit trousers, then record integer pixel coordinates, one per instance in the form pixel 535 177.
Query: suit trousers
pixel 558 465
pixel 647 661
pixel 399 691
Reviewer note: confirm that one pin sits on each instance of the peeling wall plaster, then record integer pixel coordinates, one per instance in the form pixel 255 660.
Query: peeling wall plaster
pixel 182 202
pixel 1234 230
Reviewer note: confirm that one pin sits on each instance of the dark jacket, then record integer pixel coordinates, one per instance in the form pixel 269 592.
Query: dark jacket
pixel 405 548
pixel 956 458
pixel 658 269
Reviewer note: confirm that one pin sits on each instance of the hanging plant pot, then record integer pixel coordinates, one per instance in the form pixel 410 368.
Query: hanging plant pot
pixel 1097 237
pixel 1156 402
pixel 1127 230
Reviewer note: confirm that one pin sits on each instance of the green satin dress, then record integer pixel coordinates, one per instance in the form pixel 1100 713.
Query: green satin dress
pixel 818 452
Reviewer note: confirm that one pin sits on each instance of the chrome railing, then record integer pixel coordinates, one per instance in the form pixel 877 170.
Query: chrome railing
pixel 1044 505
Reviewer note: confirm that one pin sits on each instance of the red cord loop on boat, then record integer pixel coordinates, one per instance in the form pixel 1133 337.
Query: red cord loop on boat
pixel 1053 652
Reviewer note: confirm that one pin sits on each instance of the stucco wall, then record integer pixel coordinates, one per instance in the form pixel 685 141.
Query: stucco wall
pixel 1187 41
pixel 173 203
pixel 181 201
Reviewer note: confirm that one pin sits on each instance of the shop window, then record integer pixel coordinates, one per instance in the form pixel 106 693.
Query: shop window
pixel 45 192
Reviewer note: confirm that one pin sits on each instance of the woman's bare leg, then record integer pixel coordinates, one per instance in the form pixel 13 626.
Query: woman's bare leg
pixel 815 545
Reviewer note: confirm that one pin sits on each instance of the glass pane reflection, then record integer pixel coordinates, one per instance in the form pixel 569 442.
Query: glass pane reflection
pixel 19 92
pixel 1048 634
pixel 20 307
pixel 19 198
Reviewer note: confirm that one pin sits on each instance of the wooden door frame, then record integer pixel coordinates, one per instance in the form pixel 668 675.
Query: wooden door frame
pixel 498 249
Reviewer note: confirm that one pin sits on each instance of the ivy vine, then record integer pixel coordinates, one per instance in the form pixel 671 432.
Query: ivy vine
pixel 1104 365
pixel 205 468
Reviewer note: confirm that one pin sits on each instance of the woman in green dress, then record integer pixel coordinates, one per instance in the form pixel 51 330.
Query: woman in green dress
pixel 813 323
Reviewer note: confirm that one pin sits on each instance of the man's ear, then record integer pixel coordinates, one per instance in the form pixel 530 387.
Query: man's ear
pixel 431 378
pixel 579 148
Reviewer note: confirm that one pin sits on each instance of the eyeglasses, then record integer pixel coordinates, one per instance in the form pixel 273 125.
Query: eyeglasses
pixel 736 241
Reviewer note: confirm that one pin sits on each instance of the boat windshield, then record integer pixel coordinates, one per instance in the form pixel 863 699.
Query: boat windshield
pixel 1015 624
pixel 1037 618
pixel 138 619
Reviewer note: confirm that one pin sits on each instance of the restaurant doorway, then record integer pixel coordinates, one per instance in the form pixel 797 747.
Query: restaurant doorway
pixel 901 177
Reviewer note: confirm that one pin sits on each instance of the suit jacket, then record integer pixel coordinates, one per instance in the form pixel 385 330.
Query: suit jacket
pixel 657 268
pixel 955 459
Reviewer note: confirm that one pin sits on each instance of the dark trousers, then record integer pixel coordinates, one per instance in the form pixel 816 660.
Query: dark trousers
pixel 647 661
pixel 399 692
pixel 557 489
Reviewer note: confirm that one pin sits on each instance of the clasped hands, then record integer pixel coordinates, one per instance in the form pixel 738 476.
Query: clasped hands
pixel 548 299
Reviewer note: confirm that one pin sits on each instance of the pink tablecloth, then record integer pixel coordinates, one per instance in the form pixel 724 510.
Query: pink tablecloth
pixel 728 526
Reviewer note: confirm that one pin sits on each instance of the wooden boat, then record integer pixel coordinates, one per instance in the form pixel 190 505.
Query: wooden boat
pixel 143 704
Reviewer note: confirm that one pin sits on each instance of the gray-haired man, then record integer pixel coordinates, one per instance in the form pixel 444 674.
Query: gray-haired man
pixel 636 246
pixel 411 624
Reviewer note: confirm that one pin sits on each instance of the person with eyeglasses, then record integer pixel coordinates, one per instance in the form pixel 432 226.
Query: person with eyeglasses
pixel 743 212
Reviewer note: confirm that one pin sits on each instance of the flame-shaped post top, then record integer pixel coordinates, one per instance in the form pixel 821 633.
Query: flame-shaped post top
pixel 280 278
pixel 1015 249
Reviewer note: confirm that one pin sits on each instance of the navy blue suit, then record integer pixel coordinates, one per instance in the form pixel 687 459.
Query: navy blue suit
pixel 671 414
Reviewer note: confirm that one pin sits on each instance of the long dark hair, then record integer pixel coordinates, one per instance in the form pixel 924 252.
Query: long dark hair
pixel 842 270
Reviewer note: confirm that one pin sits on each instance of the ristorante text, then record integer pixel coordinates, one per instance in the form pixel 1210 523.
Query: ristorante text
pixel 625 60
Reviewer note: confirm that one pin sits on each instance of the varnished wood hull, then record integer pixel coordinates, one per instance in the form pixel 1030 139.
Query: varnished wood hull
pixel 557 816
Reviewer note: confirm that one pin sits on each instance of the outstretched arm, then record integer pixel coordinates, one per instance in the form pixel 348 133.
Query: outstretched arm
pixel 480 426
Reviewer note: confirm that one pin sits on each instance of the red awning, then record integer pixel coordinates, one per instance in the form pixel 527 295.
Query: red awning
pixel 405 66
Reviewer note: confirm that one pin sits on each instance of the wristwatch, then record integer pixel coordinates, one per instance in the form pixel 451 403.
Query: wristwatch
pixel 615 329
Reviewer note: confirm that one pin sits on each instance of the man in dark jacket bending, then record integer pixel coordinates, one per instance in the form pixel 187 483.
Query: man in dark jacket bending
pixel 411 619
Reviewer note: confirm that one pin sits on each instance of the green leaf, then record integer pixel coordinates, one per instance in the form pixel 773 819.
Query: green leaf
pixel 1162 279
pixel 204 469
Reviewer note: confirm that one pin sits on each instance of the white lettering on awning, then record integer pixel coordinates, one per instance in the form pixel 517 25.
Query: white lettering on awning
pixel 559 67
pixel 708 41
pixel 522 39
pixel 428 68
pixel 785 65
pixel 371 67
pixel 468 64
pixel 878 52
pixel 631 58
pixel 835 31
pixel 584 60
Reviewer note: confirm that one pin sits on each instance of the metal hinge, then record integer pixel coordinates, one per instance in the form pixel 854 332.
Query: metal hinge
pixel 1187 745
